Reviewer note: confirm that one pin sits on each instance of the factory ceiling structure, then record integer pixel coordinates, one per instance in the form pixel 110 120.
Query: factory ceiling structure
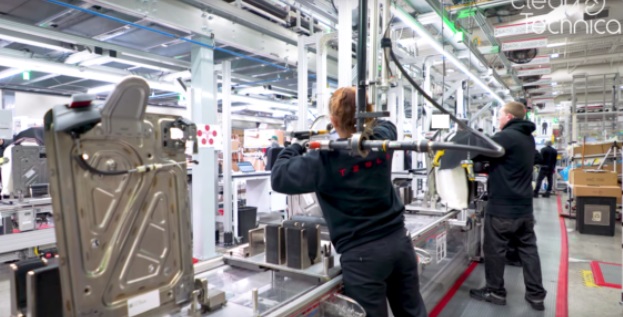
pixel 503 48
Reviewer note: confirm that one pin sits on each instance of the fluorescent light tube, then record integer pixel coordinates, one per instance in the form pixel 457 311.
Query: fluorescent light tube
pixel 101 89
pixel 10 72
pixel 35 43
pixel 105 74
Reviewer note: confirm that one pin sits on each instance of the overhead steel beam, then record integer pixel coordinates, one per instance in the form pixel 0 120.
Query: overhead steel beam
pixel 187 18
pixel 46 21
pixel 594 59
pixel 432 17
pixel 452 89
pixel 111 34
pixel 318 8
pixel 38 33
pixel 248 19
pixel 69 83
pixel 39 79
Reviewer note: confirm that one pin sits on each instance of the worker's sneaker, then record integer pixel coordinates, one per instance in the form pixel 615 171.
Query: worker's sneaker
pixel 546 195
pixel 487 295
pixel 535 195
pixel 537 304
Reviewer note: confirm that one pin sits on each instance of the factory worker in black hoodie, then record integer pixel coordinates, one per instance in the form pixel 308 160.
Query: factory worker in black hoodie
pixel 362 211
pixel 509 212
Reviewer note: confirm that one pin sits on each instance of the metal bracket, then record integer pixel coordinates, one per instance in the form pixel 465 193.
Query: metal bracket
pixel 188 129
pixel 208 300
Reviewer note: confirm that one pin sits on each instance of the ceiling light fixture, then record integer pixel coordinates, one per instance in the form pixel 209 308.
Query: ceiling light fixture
pixel 101 89
pixel 104 74
pixel 267 104
pixel 35 43
pixel 555 55
pixel 421 31
pixel 556 44
pixel 10 72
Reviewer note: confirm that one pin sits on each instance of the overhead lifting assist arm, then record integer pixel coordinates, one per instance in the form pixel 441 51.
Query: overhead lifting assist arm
pixel 361 145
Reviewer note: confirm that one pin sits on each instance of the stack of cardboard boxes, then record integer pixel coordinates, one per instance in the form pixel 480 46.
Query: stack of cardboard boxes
pixel 587 181
pixel 595 183
pixel 597 191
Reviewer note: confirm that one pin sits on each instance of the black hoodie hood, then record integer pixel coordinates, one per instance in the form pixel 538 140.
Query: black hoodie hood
pixel 524 126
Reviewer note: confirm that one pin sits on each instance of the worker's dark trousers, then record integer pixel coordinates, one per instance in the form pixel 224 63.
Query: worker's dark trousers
pixel 544 172
pixel 498 233
pixel 384 270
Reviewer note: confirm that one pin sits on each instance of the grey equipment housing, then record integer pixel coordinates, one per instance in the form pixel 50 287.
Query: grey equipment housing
pixel 120 235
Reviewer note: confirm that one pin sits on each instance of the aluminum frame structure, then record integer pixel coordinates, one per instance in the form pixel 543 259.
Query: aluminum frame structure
pixel 602 90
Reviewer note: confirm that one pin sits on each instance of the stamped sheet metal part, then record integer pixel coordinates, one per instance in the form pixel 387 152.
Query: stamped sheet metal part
pixel 119 236
pixel 28 168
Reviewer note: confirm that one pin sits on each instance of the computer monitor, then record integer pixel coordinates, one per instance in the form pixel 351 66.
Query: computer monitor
pixel 246 167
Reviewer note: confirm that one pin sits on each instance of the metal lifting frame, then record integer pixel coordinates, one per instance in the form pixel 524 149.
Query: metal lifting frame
pixel 581 84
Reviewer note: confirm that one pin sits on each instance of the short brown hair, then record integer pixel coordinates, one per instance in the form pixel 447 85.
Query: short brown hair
pixel 515 109
pixel 343 106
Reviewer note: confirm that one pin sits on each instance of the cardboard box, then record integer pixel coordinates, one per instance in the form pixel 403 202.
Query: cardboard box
pixel 592 177
pixel 597 191
pixel 592 148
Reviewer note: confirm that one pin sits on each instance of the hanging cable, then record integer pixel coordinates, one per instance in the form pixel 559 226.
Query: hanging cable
pixel 495 149
pixel 139 169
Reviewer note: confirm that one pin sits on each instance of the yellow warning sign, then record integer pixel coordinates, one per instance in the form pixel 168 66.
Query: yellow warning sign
pixel 587 276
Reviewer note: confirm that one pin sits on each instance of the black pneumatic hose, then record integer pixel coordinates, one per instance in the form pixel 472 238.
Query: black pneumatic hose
pixel 495 149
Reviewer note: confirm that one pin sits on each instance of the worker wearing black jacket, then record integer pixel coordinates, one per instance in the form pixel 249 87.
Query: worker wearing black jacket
pixel 548 168
pixel 509 212
pixel 364 215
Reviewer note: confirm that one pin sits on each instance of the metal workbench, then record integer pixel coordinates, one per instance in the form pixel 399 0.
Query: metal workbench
pixel 12 244
pixel 281 293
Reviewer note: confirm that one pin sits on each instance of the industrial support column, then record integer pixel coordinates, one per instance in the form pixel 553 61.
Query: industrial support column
pixel 205 174
pixel 415 135
pixel 345 40
pixel 301 124
pixel 460 101
pixel 574 118
pixel 373 50
pixel 428 116
pixel 228 184
pixel 322 95
pixel 361 63
pixel 385 23
pixel 398 96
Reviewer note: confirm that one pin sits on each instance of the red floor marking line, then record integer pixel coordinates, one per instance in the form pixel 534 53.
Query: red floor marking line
pixel 562 305
pixel 598 275
pixel 455 287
